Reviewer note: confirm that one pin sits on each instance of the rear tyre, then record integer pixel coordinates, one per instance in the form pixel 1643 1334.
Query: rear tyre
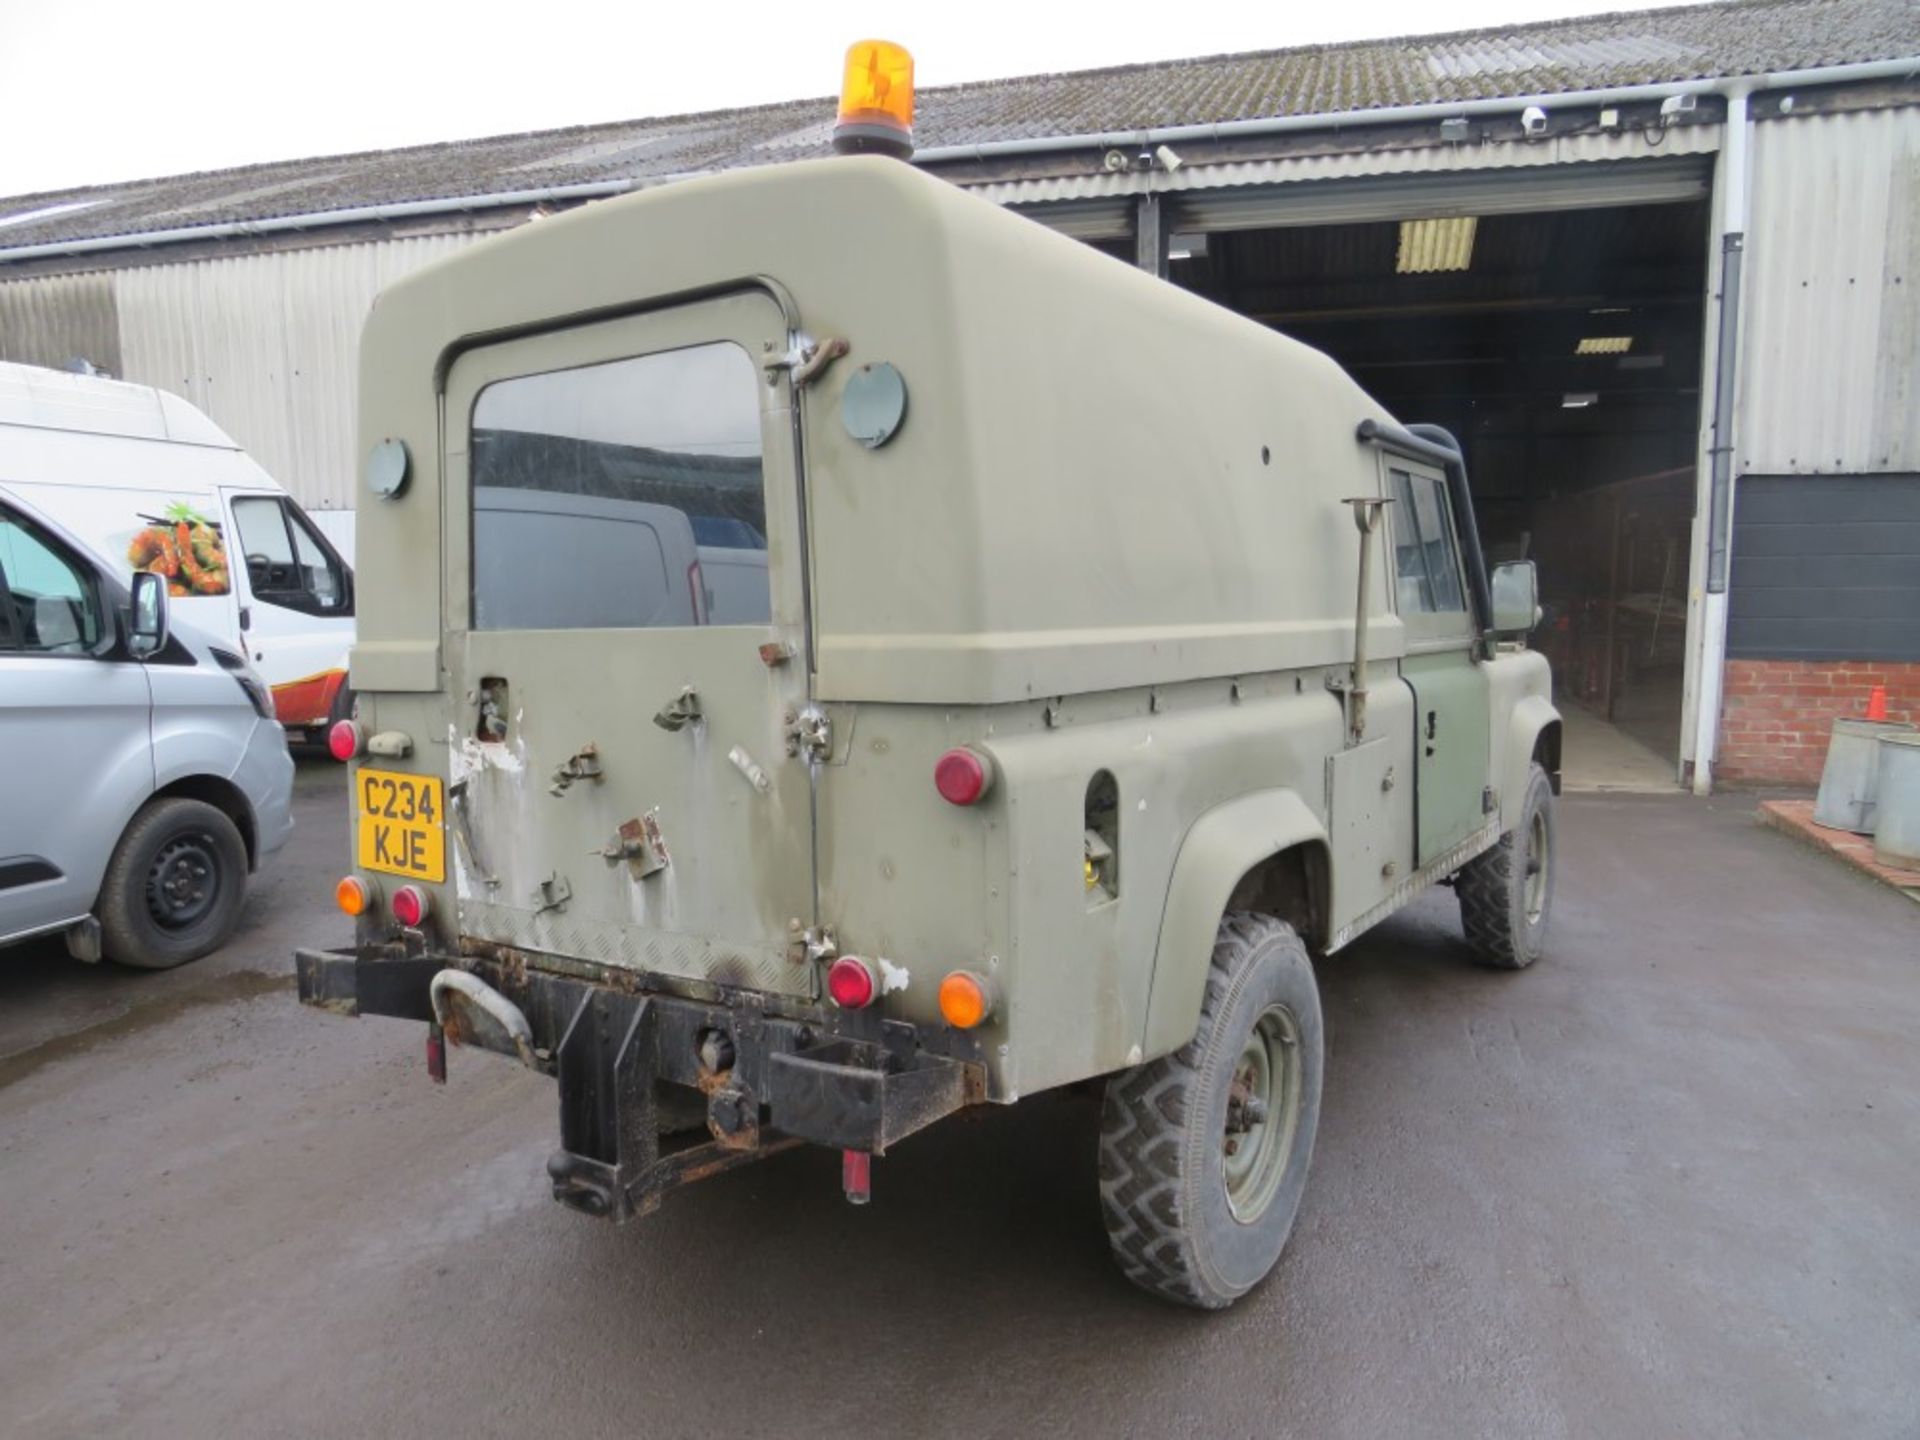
pixel 174 886
pixel 1506 894
pixel 1204 1152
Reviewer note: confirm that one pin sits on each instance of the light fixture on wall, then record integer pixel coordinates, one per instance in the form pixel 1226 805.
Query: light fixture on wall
pixel 1604 345
pixel 1578 400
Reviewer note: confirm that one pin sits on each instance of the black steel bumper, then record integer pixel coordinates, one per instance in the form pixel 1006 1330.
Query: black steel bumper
pixel 632 1066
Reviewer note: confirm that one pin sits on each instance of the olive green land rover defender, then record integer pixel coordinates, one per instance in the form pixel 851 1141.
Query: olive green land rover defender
pixel 833 652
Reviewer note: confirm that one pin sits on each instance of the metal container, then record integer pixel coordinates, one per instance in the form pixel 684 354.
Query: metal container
pixel 1896 840
pixel 1847 784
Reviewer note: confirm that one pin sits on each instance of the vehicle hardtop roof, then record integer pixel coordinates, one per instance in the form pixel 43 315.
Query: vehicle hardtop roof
pixel 95 405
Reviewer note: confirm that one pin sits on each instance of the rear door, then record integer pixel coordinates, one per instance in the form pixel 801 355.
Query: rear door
pixel 1451 734
pixel 77 717
pixel 623 790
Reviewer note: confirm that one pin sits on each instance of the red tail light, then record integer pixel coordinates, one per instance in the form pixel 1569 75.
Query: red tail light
pixel 962 776
pixel 851 983
pixel 345 740
pixel 411 905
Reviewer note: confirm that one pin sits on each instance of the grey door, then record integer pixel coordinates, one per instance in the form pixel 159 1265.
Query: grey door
pixel 75 721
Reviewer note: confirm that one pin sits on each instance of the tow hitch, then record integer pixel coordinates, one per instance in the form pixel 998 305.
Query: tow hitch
pixel 627 1065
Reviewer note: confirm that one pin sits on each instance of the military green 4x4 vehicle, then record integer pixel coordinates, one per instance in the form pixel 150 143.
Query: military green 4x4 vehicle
pixel 833 652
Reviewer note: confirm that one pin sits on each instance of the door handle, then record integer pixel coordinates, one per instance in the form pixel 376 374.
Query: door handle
pixel 246 618
pixel 1432 717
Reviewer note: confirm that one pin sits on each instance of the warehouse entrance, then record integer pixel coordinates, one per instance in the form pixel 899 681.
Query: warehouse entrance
pixel 1562 345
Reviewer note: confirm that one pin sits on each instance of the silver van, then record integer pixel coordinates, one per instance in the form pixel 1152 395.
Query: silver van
pixel 145 774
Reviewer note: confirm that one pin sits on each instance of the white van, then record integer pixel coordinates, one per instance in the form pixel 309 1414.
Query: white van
pixel 147 482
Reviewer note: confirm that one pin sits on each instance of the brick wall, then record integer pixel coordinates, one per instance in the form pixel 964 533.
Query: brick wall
pixel 1778 714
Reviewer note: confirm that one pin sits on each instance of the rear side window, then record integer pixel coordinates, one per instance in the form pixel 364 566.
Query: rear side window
pixel 53 606
pixel 626 495
pixel 1426 566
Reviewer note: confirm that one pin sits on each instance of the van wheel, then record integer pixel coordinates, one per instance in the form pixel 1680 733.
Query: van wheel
pixel 1506 893
pixel 1204 1152
pixel 174 886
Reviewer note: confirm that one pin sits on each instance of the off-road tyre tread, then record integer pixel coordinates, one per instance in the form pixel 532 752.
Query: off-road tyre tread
pixel 1142 1131
pixel 1488 887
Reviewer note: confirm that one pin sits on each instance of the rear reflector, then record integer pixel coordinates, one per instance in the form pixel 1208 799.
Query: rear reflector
pixel 345 740
pixel 851 983
pixel 962 776
pixel 411 905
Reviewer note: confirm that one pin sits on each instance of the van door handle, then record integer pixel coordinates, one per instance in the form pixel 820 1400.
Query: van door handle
pixel 246 618
pixel 1432 716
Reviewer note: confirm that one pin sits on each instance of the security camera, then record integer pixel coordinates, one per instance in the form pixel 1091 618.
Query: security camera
pixel 1168 158
pixel 1678 107
pixel 1533 120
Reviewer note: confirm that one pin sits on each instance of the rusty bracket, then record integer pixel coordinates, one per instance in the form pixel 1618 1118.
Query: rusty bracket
pixel 639 843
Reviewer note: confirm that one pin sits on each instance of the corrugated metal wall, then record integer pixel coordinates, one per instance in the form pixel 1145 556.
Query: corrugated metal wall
pixel 267 344
pixel 1831 341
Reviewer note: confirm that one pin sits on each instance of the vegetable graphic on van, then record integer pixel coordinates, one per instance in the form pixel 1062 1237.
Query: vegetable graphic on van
pixel 185 547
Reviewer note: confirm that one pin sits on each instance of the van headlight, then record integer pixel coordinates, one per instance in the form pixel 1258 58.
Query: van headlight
pixel 248 679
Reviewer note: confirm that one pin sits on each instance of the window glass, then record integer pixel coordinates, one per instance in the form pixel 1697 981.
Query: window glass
pixel 286 563
pixel 623 495
pixel 1425 565
pixel 55 611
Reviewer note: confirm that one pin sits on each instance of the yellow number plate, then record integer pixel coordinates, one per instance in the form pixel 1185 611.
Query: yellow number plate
pixel 403 825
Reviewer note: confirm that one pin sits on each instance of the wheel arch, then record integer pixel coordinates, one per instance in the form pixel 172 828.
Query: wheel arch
pixel 224 796
pixel 1264 851
pixel 1533 735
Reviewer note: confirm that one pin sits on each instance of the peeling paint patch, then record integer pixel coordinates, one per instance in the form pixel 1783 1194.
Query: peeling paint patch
pixel 892 977
pixel 467 756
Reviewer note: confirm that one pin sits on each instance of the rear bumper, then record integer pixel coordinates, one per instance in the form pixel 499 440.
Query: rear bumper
pixel 768 1081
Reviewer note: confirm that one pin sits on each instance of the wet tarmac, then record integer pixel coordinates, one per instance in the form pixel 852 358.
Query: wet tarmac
pixel 1665 1183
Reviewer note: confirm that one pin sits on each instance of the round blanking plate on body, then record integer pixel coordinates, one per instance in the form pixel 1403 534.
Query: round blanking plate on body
pixel 874 404
pixel 388 465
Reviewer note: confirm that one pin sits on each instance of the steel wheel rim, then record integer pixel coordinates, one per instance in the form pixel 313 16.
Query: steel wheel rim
pixel 183 882
pixel 1538 862
pixel 1263 1112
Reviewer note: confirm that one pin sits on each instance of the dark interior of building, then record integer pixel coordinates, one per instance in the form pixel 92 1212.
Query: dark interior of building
pixel 1564 350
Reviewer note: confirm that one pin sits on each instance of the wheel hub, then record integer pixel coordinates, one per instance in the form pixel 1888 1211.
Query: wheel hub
pixel 183 882
pixel 1263 1108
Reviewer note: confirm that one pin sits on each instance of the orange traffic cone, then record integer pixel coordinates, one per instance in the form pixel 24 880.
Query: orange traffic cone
pixel 1877 703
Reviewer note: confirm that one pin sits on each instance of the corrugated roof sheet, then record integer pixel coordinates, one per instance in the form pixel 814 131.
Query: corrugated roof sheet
pixel 1649 47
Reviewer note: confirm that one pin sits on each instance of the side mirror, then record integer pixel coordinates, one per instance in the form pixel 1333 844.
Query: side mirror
pixel 148 632
pixel 1516 598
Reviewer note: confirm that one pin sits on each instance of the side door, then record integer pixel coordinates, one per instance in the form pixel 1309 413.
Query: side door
pixel 76 715
pixel 623 728
pixel 1450 731
pixel 296 603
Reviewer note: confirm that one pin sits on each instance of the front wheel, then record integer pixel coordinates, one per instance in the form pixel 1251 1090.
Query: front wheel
pixel 174 885
pixel 1204 1152
pixel 1506 893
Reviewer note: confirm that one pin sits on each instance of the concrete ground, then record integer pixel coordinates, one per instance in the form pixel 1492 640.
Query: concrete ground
pixel 1665 1183
pixel 1601 757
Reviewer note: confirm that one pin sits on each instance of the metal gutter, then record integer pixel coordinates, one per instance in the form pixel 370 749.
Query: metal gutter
pixel 1901 68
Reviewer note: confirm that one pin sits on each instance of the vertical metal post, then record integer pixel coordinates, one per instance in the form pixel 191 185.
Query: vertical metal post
pixel 1366 519
pixel 1150 235
pixel 1735 156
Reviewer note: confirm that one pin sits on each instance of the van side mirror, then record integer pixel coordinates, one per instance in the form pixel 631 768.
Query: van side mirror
pixel 148 631
pixel 1516 598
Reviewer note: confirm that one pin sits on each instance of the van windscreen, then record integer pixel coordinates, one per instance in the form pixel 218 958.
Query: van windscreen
pixel 622 495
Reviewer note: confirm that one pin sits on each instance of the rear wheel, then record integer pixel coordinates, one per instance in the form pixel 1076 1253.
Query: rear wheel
pixel 1204 1152
pixel 1506 894
pixel 174 886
